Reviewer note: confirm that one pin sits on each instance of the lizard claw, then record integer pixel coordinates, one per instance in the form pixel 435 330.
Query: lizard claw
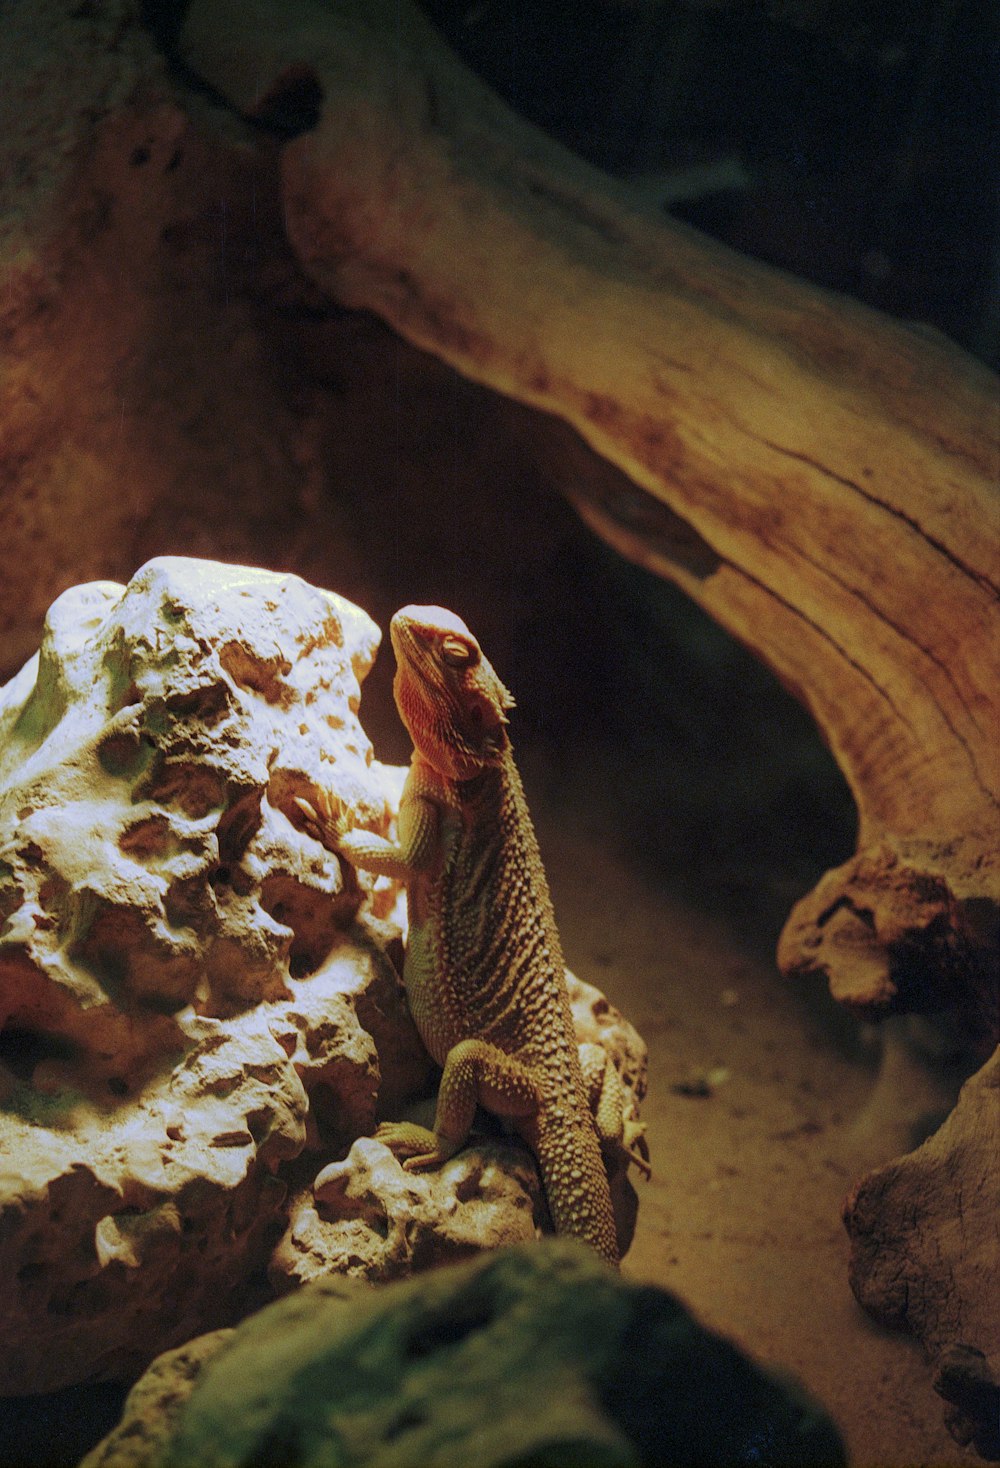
pixel 325 821
pixel 635 1146
pixel 424 1161
pixel 417 1147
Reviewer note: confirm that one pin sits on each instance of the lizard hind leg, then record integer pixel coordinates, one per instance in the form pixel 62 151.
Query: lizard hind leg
pixel 406 1139
pixel 475 1073
pixel 620 1132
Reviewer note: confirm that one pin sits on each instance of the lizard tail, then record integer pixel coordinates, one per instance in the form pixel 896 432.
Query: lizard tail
pixel 576 1187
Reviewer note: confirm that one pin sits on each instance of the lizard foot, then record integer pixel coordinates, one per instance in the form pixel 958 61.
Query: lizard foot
pixel 417 1147
pixel 325 821
pixel 622 1135
pixel 635 1146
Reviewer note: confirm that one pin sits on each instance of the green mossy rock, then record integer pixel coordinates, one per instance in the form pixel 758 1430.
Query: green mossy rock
pixel 536 1355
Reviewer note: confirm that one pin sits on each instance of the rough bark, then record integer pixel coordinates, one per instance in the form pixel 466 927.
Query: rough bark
pixel 146 290
pixel 820 479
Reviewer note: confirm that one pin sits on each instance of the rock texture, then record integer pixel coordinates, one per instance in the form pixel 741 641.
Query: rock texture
pixel 925 1241
pixel 538 1355
pixel 177 969
pixel 367 1218
pixel 197 1007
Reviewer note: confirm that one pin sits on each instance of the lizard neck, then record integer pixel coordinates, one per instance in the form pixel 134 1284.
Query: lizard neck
pixel 431 783
pixel 456 738
pixel 493 787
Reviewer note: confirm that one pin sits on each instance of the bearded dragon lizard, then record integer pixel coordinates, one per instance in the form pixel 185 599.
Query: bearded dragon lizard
pixel 483 971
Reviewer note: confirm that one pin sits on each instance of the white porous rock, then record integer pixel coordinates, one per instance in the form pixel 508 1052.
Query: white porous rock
pixel 600 1026
pixel 368 1218
pixel 188 999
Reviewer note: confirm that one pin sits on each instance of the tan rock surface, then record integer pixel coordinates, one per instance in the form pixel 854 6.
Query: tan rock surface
pixel 598 1022
pixel 366 1217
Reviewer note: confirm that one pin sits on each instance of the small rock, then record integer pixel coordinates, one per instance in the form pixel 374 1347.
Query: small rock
pixel 369 1218
pixel 701 1083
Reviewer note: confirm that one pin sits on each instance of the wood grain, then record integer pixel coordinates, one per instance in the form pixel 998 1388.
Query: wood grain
pixel 837 470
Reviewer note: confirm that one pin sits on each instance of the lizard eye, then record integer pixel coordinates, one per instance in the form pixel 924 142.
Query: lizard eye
pixel 455 653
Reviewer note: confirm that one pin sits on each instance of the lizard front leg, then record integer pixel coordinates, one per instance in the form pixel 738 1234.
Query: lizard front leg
pixel 401 859
pixel 475 1073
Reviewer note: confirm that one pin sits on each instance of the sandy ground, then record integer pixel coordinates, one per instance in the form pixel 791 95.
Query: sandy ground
pixel 742 1216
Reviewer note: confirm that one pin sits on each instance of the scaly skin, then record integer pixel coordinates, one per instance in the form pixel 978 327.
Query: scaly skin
pixel 484 971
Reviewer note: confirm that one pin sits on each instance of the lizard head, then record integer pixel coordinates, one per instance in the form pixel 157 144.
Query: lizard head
pixel 450 699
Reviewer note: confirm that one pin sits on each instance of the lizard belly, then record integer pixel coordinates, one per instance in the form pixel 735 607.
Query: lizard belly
pixel 437 1023
pixel 440 1019
pixel 448 984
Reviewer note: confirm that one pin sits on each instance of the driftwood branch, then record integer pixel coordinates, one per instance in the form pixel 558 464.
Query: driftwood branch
pixel 820 479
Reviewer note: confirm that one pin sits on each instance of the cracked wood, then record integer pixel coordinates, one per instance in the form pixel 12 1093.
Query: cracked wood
pixel 836 471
